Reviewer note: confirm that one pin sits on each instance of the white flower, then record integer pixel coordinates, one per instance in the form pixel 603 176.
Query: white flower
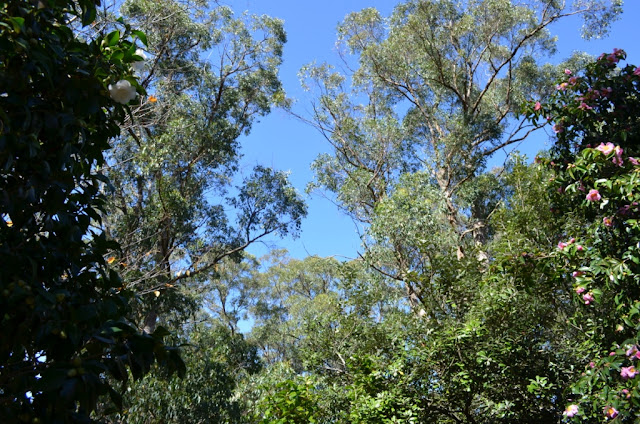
pixel 139 65
pixel 122 92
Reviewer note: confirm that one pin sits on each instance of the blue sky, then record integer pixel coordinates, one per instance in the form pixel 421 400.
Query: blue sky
pixel 283 142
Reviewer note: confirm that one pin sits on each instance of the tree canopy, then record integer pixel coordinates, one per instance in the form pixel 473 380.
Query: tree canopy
pixel 484 291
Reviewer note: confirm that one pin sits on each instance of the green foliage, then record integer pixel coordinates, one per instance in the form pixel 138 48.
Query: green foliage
pixel 291 402
pixel 63 307
pixel 216 360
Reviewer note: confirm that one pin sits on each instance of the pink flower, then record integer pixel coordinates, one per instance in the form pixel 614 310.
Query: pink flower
pixel 588 298
pixel 558 128
pixel 607 222
pixel 612 354
pixel 633 350
pixel 584 106
pixel 567 72
pixel 592 364
pixel 628 372
pixel 562 245
pixel 613 58
pixel 637 71
pixel 626 393
pixel 610 412
pixel 571 411
pixel 562 87
pixel 633 161
pixel 573 80
pixel 593 195
pixel 576 274
pixel 537 106
pixel 617 160
pixel 606 149
pixel 580 289
pixel 579 248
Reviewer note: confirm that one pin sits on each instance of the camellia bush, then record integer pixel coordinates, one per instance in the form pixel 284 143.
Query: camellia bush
pixel 64 90
pixel 596 182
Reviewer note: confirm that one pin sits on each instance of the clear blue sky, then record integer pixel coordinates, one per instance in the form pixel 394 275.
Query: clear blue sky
pixel 285 143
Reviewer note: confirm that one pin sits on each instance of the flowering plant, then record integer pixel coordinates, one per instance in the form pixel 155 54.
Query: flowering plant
pixel 595 187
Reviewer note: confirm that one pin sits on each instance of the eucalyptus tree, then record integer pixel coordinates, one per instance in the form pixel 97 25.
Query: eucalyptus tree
pixel 208 75
pixel 435 90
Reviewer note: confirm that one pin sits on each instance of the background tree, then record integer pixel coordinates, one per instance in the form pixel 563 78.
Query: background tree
pixel 437 91
pixel 66 334
pixel 211 75
pixel 216 361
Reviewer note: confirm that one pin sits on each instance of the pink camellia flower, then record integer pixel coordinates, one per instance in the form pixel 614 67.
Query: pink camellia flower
pixel 610 412
pixel 562 245
pixel 567 71
pixel 562 87
pixel 613 58
pixel 637 71
pixel 606 149
pixel 580 289
pixel 579 248
pixel 576 274
pixel 571 411
pixel 588 298
pixel 537 106
pixel 612 354
pixel 607 222
pixel 558 128
pixel 573 80
pixel 618 157
pixel 633 161
pixel 632 351
pixel 628 372
pixel 593 195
